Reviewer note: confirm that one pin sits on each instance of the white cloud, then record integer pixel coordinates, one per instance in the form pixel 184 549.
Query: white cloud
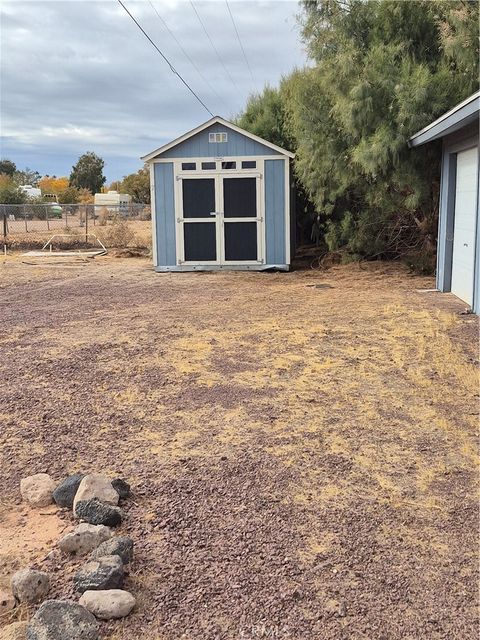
pixel 79 75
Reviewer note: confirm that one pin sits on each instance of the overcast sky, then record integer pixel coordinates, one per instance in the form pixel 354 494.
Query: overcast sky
pixel 79 76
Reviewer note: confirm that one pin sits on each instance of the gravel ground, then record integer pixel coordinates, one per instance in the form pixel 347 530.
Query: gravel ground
pixel 302 447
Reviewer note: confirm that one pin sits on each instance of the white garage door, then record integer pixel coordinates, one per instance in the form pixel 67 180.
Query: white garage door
pixel 463 264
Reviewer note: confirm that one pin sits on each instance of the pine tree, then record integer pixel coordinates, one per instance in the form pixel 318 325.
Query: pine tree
pixel 88 173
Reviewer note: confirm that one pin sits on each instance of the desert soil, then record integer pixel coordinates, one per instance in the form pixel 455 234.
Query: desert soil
pixel 302 447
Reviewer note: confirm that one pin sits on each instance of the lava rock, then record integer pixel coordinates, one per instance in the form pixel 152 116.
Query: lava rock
pixel 14 631
pixel 97 486
pixel 7 602
pixel 112 603
pixel 121 546
pixel 62 620
pixel 104 573
pixel 84 538
pixel 121 487
pixel 30 586
pixel 64 494
pixel 96 512
pixel 37 490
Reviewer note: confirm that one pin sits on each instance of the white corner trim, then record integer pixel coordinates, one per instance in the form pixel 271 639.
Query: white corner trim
pixel 153 215
pixel 205 125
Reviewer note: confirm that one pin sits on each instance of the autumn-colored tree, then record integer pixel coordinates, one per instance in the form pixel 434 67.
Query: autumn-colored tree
pixel 53 185
pixel 137 185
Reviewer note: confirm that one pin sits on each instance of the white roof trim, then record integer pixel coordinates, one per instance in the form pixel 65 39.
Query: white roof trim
pixel 205 125
pixel 456 108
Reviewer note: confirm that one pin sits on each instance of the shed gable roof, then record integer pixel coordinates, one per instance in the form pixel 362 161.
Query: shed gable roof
pixel 215 120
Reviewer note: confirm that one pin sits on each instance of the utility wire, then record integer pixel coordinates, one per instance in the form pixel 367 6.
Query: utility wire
pixel 213 46
pixel 172 68
pixel 240 41
pixel 186 54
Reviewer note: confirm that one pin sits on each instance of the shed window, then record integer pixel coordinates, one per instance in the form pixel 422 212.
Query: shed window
pixel 249 164
pixel 189 166
pixel 229 165
pixel 209 165
pixel 217 137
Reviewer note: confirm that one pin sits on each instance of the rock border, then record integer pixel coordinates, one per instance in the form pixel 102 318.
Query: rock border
pixel 97 498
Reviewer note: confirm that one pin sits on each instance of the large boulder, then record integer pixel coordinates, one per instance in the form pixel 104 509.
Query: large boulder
pixel 96 512
pixel 37 490
pixel 30 585
pixel 104 573
pixel 112 603
pixel 62 620
pixel 14 631
pixel 118 546
pixel 122 487
pixel 65 492
pixel 96 486
pixel 84 538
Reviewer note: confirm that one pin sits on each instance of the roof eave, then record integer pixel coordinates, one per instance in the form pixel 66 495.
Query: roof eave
pixel 461 115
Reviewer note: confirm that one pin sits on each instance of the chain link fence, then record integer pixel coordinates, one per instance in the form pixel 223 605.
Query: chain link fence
pixel 30 226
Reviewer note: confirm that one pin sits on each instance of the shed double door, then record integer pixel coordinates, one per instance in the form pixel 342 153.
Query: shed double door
pixel 220 220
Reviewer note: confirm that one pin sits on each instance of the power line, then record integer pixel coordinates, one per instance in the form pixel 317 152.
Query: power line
pixel 185 53
pixel 172 68
pixel 213 46
pixel 240 41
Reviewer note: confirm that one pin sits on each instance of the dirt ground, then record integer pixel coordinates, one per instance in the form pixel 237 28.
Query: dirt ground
pixel 302 447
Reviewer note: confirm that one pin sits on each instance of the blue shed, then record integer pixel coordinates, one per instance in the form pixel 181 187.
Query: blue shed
pixel 220 200
pixel 458 249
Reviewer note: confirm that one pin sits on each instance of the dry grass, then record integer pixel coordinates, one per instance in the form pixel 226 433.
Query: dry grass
pixel 366 393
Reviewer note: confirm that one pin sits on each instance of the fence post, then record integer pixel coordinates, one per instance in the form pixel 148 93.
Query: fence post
pixel 66 217
pixel 86 223
pixel 46 217
pixel 25 218
pixel 4 224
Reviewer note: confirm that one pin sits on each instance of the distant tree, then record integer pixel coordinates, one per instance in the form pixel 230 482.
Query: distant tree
pixel 137 185
pixel 10 192
pixel 53 185
pixel 70 195
pixel 7 167
pixel 27 176
pixel 88 173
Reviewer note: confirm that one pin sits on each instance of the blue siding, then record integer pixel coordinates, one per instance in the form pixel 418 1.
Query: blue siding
pixel 275 211
pixel 199 147
pixel 165 214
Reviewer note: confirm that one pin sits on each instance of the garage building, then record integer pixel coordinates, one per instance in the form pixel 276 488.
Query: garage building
pixel 220 200
pixel 458 252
